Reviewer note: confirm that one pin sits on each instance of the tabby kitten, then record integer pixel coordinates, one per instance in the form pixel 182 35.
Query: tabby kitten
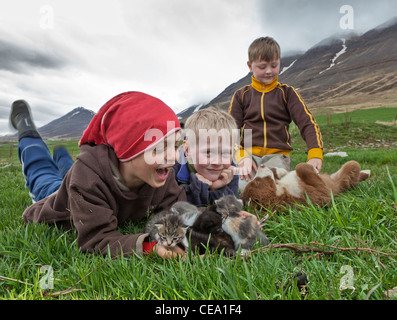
pixel 167 229
pixel 244 230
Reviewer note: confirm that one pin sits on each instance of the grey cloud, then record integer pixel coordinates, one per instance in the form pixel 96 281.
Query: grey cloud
pixel 21 59
pixel 4 109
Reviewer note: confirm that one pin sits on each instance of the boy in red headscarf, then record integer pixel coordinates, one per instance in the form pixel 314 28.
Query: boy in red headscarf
pixel 123 172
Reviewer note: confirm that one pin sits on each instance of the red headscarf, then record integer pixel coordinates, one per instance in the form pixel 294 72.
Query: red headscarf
pixel 124 123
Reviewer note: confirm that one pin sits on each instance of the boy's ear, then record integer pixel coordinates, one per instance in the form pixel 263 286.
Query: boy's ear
pixel 185 148
pixel 249 65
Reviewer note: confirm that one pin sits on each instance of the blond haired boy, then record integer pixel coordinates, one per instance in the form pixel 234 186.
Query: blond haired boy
pixel 205 166
pixel 264 109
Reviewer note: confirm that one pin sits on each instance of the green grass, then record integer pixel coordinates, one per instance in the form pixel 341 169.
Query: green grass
pixel 365 217
pixel 357 129
pixel 385 114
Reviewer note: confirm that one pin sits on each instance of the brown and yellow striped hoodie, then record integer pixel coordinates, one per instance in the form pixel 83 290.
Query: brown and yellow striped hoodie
pixel 268 109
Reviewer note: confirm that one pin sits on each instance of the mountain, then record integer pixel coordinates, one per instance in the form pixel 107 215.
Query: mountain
pixel 69 126
pixel 227 94
pixel 355 70
pixel 187 112
pixel 345 69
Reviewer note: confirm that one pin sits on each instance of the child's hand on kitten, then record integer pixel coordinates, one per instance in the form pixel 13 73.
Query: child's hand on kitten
pixel 170 253
pixel 246 214
pixel 167 253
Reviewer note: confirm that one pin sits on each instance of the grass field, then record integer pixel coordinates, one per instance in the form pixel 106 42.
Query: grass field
pixel 360 228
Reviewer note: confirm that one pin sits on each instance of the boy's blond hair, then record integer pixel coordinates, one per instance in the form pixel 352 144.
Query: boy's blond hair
pixel 210 118
pixel 264 48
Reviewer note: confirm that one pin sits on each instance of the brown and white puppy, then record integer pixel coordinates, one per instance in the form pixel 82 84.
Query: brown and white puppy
pixel 278 187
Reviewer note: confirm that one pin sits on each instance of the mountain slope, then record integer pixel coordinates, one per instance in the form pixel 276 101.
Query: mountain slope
pixel 365 71
pixel 69 126
pixel 222 100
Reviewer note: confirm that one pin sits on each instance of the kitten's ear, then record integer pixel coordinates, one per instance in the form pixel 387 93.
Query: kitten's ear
pixel 185 229
pixel 240 200
pixel 158 225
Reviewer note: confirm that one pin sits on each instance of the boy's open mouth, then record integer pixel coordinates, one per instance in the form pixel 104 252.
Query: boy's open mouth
pixel 162 173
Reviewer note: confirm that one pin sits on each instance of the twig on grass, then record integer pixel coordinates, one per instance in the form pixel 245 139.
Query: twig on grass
pixel 15 280
pixel 296 247
pixel 300 248
pixel 354 249
pixel 58 293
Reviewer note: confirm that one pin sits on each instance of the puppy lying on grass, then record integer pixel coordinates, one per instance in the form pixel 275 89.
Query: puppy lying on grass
pixel 277 187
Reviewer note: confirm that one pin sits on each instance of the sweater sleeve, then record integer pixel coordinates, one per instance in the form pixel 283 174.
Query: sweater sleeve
pixel 306 123
pixel 236 111
pixel 97 224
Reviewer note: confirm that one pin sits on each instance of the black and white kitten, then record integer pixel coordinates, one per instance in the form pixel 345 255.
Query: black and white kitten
pixel 167 229
pixel 244 231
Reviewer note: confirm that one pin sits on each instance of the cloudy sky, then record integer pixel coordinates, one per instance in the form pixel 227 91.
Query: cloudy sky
pixel 60 54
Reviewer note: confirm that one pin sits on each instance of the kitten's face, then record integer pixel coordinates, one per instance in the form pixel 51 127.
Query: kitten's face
pixel 169 235
pixel 228 205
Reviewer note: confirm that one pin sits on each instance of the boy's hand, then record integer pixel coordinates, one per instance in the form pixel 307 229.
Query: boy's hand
pixel 245 167
pixel 316 163
pixel 204 180
pixel 167 253
pixel 246 214
pixel 224 179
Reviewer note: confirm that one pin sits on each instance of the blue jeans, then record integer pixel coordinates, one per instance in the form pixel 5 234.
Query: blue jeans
pixel 43 173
